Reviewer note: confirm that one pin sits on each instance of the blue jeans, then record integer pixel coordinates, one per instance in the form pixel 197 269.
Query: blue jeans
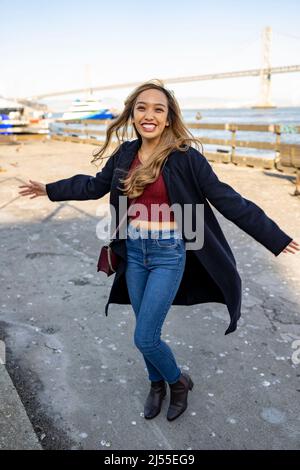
pixel 155 266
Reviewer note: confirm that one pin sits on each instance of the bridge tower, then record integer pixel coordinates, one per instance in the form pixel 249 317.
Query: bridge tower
pixel 265 74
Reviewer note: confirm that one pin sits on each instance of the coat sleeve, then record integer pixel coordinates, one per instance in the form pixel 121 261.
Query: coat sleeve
pixel 84 187
pixel 239 210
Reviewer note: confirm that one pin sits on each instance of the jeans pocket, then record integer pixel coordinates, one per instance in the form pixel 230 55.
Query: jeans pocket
pixel 167 242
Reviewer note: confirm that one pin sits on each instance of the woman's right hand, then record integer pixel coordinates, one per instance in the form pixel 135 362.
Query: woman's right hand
pixel 33 187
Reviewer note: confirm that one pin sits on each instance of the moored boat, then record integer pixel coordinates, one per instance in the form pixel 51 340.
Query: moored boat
pixel 88 109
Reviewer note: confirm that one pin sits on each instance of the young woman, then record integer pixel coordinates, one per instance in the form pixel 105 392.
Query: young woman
pixel 162 168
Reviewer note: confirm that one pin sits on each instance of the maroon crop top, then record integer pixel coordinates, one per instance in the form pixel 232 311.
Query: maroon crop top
pixel 153 196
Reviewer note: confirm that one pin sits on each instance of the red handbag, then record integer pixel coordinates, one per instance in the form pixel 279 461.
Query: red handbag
pixel 109 261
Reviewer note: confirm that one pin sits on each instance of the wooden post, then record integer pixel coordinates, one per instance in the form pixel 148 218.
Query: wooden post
pixel 233 129
pixel 296 165
pixel 297 190
pixel 86 129
pixel 277 131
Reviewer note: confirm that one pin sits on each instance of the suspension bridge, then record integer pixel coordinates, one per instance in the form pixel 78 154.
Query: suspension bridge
pixel 265 72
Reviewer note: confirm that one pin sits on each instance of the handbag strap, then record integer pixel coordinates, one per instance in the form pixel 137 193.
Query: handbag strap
pixel 123 218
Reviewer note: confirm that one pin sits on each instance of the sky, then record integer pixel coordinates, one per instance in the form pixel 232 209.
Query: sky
pixel 60 45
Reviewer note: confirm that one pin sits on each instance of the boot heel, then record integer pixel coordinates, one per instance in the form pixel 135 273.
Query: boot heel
pixel 191 384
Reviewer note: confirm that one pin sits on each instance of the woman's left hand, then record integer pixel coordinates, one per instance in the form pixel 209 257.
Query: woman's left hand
pixel 293 245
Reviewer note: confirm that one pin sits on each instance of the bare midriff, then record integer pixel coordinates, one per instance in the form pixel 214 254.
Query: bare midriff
pixel 153 225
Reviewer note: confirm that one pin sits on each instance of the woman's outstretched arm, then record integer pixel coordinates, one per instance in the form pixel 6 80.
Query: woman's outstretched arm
pixel 244 213
pixel 76 188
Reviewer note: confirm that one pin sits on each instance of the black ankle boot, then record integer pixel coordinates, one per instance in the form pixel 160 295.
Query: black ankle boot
pixel 154 400
pixel 179 392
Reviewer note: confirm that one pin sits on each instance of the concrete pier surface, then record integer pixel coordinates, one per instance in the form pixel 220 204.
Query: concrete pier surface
pixel 81 380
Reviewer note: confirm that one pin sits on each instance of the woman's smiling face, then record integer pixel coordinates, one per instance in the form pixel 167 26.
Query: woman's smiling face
pixel 150 114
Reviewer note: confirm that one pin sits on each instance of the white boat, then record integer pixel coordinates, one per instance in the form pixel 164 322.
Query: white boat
pixel 88 109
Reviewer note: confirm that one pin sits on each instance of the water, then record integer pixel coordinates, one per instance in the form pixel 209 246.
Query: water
pixel 289 117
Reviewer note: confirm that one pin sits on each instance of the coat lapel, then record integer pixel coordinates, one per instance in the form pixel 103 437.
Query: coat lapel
pixel 129 154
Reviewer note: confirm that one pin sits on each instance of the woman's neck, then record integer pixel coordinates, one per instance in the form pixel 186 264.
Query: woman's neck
pixel 147 149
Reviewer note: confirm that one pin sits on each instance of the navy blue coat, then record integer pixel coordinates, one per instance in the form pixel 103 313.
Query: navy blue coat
pixel 210 273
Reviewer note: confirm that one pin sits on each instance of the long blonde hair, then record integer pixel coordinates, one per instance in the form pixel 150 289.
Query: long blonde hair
pixel 174 137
